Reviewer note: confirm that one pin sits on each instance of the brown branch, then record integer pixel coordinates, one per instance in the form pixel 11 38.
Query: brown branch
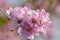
pixel 5 14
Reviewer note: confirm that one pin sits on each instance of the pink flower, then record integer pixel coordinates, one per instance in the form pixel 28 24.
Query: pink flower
pixel 31 22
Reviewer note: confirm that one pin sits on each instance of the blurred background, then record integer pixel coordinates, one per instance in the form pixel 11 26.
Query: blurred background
pixel 8 32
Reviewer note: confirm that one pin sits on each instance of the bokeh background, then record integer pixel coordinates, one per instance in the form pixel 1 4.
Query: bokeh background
pixel 8 32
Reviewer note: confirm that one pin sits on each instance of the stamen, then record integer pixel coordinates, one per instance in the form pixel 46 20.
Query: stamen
pixel 34 20
pixel 20 21
pixel 28 28
pixel 41 22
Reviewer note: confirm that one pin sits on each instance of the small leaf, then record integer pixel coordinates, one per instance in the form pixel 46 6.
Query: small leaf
pixel 2 21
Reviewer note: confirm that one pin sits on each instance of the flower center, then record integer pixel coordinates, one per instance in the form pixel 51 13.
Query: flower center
pixel 20 21
pixel 28 28
pixel 34 20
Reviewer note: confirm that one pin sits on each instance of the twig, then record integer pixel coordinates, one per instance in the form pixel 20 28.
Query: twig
pixel 5 14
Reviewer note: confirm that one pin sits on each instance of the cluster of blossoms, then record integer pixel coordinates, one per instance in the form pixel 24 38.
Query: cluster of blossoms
pixel 30 22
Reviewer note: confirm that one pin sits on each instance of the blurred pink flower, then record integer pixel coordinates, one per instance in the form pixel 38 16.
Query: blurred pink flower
pixel 29 5
pixel 4 5
pixel 8 32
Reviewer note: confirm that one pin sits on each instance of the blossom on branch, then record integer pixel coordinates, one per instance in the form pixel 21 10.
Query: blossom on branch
pixel 30 23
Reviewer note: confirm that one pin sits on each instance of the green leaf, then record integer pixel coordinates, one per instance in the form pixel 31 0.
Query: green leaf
pixel 2 21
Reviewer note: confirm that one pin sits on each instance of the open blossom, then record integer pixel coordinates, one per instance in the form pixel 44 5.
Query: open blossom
pixel 30 22
pixel 28 30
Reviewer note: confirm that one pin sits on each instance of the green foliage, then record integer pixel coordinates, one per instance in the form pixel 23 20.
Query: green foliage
pixel 2 21
pixel 51 3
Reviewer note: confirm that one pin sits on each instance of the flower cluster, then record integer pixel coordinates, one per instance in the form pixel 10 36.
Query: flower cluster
pixel 31 22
